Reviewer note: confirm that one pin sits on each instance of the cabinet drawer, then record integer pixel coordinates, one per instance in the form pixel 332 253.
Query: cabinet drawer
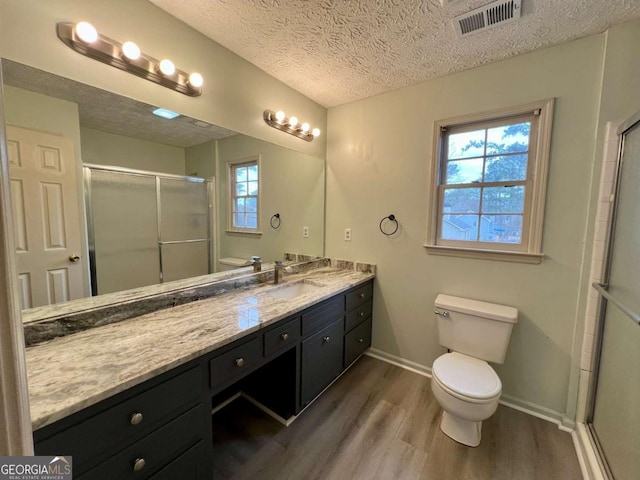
pixel 119 425
pixel 281 337
pixel 323 314
pixel 356 342
pixel 357 316
pixel 194 464
pixel 233 365
pixel 321 360
pixel 154 450
pixel 359 295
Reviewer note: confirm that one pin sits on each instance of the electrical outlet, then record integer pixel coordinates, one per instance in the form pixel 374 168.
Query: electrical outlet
pixel 305 232
pixel 347 234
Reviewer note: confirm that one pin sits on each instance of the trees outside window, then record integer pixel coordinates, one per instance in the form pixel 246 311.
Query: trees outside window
pixel 490 176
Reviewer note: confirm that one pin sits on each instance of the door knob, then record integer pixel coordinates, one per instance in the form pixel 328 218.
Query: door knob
pixel 74 258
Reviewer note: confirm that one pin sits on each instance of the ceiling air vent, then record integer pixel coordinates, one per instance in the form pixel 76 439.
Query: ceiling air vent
pixel 489 16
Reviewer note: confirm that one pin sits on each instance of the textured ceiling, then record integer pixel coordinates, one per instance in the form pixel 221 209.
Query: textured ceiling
pixel 338 51
pixel 108 112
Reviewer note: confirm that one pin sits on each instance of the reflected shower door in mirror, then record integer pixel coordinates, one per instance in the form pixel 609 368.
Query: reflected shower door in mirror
pixel 107 130
pixel 166 237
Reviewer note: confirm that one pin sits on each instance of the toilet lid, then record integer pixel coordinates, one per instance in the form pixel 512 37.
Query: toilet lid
pixel 467 376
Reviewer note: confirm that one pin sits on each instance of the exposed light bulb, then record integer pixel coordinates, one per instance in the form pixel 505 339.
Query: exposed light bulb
pixel 86 32
pixel 280 116
pixel 305 127
pixel 167 67
pixel 131 51
pixel 315 132
pixel 293 122
pixel 196 80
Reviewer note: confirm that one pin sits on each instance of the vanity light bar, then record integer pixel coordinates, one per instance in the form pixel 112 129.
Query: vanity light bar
pixel 83 38
pixel 290 125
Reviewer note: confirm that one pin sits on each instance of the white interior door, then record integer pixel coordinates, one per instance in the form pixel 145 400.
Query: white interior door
pixel 46 218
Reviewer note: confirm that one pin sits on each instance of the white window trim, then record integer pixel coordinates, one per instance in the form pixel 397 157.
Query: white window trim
pixel 533 252
pixel 249 232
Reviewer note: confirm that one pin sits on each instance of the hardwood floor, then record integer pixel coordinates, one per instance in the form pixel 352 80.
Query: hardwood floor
pixel 379 421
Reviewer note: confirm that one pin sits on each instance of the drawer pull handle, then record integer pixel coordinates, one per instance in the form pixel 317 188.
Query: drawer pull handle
pixel 362 295
pixel 326 339
pixel 239 362
pixel 361 314
pixel 285 336
pixel 138 464
pixel 136 419
pixel 361 340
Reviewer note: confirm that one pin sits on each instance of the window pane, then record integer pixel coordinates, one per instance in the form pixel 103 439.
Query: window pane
pixel 459 227
pixel 241 174
pixel 238 220
pixel 253 172
pixel 241 189
pixel 466 145
pixel 239 206
pixel 461 200
pixel 503 199
pixel 505 168
pixel 252 204
pixel 252 220
pixel 501 228
pixel 253 188
pixel 508 139
pixel 464 171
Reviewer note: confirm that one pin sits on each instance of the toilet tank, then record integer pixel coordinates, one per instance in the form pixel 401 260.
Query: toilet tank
pixel 478 329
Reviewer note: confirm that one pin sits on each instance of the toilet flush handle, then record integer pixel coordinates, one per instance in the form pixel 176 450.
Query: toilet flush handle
pixel 444 313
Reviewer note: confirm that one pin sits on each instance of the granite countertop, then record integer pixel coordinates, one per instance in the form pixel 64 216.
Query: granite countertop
pixel 70 373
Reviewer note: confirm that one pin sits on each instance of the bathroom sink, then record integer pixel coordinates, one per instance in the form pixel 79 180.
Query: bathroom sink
pixel 294 290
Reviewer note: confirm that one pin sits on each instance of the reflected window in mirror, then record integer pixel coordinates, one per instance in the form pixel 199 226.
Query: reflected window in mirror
pixel 244 195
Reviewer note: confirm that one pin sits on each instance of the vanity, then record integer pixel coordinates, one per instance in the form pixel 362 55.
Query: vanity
pixel 133 399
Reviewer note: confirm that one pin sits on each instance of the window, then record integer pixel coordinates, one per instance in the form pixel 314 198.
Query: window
pixel 490 182
pixel 244 196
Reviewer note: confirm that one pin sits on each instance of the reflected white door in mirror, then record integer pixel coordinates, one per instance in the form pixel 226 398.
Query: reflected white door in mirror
pixel 45 215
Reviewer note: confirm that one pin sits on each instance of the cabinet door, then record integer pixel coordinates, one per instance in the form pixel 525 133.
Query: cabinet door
pixel 321 360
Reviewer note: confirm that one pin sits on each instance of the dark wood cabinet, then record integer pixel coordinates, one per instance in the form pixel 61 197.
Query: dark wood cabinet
pixel 161 429
pixel 135 433
pixel 356 342
pixel 321 360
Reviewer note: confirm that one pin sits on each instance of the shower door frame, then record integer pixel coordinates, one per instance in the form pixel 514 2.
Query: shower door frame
pixel 210 188
pixel 605 296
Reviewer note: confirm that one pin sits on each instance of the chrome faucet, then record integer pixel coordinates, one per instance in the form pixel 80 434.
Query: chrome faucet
pixel 277 272
pixel 257 264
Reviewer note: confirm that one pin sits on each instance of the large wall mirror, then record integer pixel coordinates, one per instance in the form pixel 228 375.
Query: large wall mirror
pixel 154 196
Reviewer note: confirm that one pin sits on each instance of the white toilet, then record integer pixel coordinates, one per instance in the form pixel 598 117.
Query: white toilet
pixel 464 384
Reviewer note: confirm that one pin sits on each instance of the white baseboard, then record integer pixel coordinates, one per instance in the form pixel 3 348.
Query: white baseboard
pixel 511 402
pixel 590 464
pixel 284 421
pixel 399 362
pixel 224 403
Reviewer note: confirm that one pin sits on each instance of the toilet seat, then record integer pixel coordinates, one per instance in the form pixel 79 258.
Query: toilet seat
pixel 467 378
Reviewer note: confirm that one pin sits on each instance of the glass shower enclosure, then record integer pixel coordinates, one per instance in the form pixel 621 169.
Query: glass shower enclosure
pixel 614 420
pixel 146 228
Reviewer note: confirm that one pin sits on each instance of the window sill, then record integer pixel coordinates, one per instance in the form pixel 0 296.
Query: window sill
pixel 243 233
pixel 499 255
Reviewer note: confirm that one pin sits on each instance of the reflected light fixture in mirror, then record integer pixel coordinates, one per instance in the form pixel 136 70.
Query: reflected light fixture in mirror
pixel 85 39
pixel 290 125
